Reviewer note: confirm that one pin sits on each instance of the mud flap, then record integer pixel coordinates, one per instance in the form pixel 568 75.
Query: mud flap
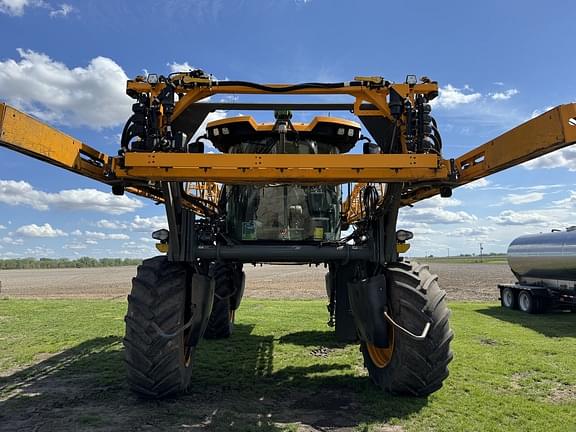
pixel 368 299
pixel 345 328
pixel 238 291
pixel 201 299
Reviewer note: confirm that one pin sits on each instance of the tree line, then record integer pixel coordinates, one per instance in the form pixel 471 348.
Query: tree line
pixel 50 263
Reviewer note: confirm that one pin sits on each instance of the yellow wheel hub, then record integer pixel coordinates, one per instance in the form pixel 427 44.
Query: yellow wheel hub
pixel 381 356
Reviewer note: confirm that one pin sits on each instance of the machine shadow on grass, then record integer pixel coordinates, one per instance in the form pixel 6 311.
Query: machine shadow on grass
pixel 551 324
pixel 234 387
pixel 312 338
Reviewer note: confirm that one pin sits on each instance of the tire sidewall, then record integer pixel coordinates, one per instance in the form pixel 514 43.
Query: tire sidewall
pixel 416 367
pixel 508 298
pixel 525 301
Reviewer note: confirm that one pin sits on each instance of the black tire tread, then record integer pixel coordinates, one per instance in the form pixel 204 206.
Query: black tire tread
pixel 154 364
pixel 417 368
pixel 220 325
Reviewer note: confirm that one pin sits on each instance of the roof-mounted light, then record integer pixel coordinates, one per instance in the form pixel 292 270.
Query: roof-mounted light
pixel 411 79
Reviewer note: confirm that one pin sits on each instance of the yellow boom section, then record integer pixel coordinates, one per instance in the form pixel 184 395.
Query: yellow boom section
pixel 422 174
pixel 281 168
pixel 550 131
pixel 32 137
pixel 25 134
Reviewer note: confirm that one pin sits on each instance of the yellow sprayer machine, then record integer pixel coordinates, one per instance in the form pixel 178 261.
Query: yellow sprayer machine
pixel 285 192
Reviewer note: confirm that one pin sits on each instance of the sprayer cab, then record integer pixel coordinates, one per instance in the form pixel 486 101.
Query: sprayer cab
pixel 269 213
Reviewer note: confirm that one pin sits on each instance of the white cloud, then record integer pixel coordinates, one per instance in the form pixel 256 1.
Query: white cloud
pixel 418 228
pixel 436 216
pixel 111 224
pixel 437 201
pixel 91 242
pixel 149 224
pixel 150 240
pixel 105 236
pixel 133 248
pixel 10 255
pixel 471 232
pixel 39 251
pixel 45 230
pixel 477 184
pixel 450 97
pixel 505 95
pixel 63 11
pixel 180 67
pixel 16 7
pixel 75 246
pixel 569 202
pixel 525 188
pixel 92 96
pixel 564 158
pixel 11 241
pixel 517 199
pixel 510 217
pixel 538 112
pixel 2 227
pixel 22 193
pixel 76 233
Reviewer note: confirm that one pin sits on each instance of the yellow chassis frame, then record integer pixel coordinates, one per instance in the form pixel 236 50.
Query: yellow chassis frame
pixel 422 174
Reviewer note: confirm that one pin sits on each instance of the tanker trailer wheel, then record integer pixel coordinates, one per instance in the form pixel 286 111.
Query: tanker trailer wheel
pixel 509 298
pixel 158 366
pixel 528 303
pixel 227 295
pixel 409 366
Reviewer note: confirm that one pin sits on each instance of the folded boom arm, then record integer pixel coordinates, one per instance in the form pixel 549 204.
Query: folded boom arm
pixel 422 175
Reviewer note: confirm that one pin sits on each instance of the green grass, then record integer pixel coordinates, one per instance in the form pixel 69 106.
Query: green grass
pixel 282 367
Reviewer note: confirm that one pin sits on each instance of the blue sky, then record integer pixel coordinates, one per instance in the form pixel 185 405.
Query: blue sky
pixel 498 64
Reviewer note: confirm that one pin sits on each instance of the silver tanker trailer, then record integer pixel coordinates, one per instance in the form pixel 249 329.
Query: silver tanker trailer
pixel 545 266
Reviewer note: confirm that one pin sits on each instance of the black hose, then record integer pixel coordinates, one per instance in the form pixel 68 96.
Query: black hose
pixel 124 139
pixel 284 89
pixel 437 138
pixel 370 199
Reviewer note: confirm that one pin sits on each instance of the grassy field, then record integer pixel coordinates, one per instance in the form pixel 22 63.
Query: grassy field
pixel 61 369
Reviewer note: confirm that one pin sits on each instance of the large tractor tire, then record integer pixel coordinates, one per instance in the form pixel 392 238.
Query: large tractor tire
pixel 157 365
pixel 221 322
pixel 409 366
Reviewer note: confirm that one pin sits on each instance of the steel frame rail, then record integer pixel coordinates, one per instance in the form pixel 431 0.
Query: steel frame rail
pixel 280 168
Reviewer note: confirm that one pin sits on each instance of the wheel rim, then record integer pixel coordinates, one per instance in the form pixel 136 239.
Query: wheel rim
pixel 381 357
pixel 524 301
pixel 507 295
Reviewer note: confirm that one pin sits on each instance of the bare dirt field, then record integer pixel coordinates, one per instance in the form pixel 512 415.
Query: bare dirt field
pixel 461 281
